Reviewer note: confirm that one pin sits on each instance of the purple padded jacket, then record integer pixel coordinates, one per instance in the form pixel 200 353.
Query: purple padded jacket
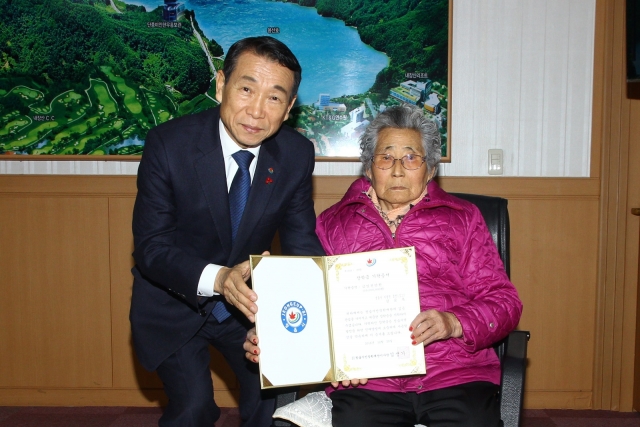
pixel 459 271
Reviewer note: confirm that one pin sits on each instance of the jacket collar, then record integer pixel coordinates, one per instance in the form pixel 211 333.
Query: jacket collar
pixel 435 197
pixel 268 173
pixel 211 173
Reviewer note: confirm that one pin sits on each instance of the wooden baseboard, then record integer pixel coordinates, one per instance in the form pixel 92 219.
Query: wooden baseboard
pixel 224 398
pixel 97 397
pixel 558 399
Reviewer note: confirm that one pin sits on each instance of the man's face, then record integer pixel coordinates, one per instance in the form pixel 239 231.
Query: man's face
pixel 255 100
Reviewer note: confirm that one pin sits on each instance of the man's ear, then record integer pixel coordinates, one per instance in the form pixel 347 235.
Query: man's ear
pixel 293 101
pixel 219 85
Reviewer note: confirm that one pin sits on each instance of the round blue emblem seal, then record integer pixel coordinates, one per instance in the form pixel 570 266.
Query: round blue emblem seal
pixel 294 317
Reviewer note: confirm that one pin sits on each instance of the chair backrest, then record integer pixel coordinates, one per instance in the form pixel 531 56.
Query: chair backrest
pixel 496 215
pixel 512 351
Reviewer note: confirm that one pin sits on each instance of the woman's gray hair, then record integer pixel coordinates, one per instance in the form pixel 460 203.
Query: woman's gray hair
pixel 401 117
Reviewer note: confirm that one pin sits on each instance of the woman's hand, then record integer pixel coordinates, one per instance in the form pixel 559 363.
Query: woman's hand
pixel 251 346
pixel 346 383
pixel 434 325
pixel 252 352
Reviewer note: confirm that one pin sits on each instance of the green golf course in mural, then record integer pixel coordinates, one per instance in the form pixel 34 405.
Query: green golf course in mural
pixel 91 77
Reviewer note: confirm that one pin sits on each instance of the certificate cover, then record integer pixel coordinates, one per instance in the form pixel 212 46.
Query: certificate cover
pixel 332 318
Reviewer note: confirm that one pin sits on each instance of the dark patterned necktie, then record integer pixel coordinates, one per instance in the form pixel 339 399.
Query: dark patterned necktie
pixel 238 194
pixel 239 191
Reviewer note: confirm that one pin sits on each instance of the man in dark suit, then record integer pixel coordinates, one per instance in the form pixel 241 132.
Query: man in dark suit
pixel 192 253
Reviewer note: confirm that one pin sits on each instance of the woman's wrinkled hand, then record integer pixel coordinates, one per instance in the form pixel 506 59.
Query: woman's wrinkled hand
pixel 346 383
pixel 252 351
pixel 434 325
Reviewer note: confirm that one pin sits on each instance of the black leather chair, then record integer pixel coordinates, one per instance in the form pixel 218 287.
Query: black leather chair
pixel 512 350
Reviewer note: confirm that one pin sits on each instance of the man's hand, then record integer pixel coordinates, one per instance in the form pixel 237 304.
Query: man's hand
pixel 251 346
pixel 231 283
pixel 434 325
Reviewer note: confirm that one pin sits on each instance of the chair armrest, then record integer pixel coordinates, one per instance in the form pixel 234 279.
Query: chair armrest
pixel 514 363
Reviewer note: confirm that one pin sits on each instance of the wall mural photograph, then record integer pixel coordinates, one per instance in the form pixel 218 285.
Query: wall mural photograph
pixel 92 77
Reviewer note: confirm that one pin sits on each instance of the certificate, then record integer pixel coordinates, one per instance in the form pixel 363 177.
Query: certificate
pixel 334 318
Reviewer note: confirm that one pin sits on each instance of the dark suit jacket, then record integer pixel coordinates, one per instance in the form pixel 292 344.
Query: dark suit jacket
pixel 181 223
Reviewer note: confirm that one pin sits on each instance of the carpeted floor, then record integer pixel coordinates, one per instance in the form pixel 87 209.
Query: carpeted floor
pixel 570 418
pixel 11 416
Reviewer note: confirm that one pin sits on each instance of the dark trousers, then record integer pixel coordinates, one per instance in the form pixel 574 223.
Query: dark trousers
pixel 187 379
pixel 467 405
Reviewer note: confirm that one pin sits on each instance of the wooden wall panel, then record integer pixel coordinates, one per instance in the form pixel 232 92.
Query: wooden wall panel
pixel 554 260
pixel 55 314
pixel 80 227
pixel 616 126
pixel 127 372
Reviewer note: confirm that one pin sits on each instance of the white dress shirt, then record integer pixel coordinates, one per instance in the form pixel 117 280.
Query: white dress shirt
pixel 229 147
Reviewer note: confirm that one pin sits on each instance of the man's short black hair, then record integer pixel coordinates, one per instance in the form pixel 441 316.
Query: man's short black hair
pixel 266 47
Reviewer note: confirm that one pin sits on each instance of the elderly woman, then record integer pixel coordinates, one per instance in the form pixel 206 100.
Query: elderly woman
pixel 466 299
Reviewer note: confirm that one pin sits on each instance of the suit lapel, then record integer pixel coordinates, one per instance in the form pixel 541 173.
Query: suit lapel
pixel 211 174
pixel 265 180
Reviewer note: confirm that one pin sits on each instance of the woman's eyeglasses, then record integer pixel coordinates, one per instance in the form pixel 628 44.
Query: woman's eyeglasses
pixel 408 161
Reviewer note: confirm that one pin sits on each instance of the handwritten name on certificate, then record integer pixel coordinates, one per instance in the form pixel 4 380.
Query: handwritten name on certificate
pixel 373 299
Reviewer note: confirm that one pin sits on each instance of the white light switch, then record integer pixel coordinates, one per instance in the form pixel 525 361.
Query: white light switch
pixel 495 162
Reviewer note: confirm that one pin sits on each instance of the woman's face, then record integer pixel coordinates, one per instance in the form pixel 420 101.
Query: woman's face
pixel 398 186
